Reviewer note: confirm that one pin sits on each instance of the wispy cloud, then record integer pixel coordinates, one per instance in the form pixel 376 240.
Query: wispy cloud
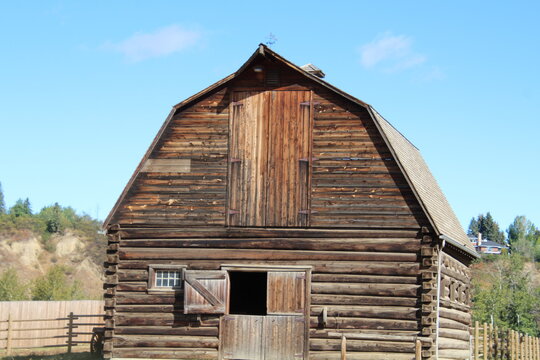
pixel 391 53
pixel 162 42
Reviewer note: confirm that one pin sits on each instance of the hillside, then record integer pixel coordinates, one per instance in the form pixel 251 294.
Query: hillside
pixel 25 251
pixel 506 290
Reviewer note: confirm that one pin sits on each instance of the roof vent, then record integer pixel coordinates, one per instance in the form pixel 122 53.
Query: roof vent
pixel 313 70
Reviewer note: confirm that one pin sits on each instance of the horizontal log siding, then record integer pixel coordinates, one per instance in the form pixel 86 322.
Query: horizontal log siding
pixel 356 182
pixel 455 313
pixel 367 283
pixel 194 198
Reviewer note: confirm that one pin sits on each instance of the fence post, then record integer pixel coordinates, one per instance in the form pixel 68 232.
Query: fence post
pixel 9 335
pixel 343 347
pixel 496 344
pixel 418 350
pixel 490 341
pixel 528 345
pixel 476 341
pixel 485 343
pixel 70 332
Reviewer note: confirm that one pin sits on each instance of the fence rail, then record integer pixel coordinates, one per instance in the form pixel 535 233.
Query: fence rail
pixel 48 324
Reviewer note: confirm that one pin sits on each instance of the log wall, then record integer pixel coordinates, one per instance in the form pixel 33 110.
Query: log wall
pixel 354 181
pixel 364 281
pixel 455 310
pixel 193 194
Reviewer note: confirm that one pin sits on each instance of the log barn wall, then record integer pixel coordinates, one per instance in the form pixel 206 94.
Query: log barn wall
pixel 371 248
pixel 455 310
pixel 367 280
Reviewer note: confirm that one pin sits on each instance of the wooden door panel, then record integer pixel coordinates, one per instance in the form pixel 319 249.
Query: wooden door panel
pixel 286 292
pixel 283 337
pixel 288 145
pixel 241 337
pixel 249 121
pixel 269 169
pixel 205 291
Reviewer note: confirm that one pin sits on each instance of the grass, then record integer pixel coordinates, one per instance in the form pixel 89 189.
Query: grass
pixel 64 356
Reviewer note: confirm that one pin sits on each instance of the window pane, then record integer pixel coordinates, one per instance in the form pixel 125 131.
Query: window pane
pixel 168 278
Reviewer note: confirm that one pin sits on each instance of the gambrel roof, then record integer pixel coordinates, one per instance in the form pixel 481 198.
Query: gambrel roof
pixel 408 157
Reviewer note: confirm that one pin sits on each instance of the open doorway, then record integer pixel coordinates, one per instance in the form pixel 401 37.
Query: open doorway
pixel 248 293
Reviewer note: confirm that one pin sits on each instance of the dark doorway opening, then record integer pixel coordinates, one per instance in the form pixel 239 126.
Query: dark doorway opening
pixel 248 293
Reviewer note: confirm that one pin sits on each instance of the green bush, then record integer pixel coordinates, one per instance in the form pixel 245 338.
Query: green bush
pixel 54 285
pixel 11 287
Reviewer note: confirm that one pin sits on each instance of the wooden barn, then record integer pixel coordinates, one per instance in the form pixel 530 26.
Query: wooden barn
pixel 276 217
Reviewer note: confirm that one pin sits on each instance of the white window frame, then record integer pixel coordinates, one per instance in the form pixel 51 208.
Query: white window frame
pixel 152 277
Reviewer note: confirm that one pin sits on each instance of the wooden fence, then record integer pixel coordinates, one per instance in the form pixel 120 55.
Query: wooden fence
pixel 488 343
pixel 492 343
pixel 48 324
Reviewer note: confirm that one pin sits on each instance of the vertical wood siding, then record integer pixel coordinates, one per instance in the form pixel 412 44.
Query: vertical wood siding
pixel 248 158
pixel 287 181
pixel 35 310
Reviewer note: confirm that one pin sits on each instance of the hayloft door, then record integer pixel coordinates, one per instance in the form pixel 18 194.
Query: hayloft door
pixel 270 158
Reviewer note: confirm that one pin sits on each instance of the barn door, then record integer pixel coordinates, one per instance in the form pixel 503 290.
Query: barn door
pixel 285 325
pixel 247 158
pixel 280 334
pixel 241 337
pixel 269 158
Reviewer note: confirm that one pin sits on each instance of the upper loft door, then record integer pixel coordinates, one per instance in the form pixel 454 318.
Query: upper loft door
pixel 270 158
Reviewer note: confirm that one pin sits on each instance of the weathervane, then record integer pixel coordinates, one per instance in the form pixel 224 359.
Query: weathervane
pixel 271 39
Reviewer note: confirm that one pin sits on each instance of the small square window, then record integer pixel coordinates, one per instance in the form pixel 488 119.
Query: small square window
pixel 165 277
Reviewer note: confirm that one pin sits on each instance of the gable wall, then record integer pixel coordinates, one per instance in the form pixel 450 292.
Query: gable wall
pixel 355 180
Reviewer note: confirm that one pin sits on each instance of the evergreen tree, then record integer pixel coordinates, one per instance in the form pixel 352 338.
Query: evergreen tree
pixel 473 227
pixel 489 228
pixel 2 202
pixel 21 208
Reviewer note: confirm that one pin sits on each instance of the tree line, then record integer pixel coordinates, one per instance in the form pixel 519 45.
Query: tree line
pixel 504 292
pixel 521 236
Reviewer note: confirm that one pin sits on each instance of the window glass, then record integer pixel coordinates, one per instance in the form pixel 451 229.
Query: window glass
pixel 168 278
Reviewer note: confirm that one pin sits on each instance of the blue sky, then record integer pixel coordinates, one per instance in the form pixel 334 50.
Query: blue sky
pixel 84 86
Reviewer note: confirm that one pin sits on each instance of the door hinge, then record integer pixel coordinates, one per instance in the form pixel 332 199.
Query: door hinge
pixel 307 159
pixel 307 212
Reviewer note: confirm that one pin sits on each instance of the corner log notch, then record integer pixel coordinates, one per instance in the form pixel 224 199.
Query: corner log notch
pixel 429 254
